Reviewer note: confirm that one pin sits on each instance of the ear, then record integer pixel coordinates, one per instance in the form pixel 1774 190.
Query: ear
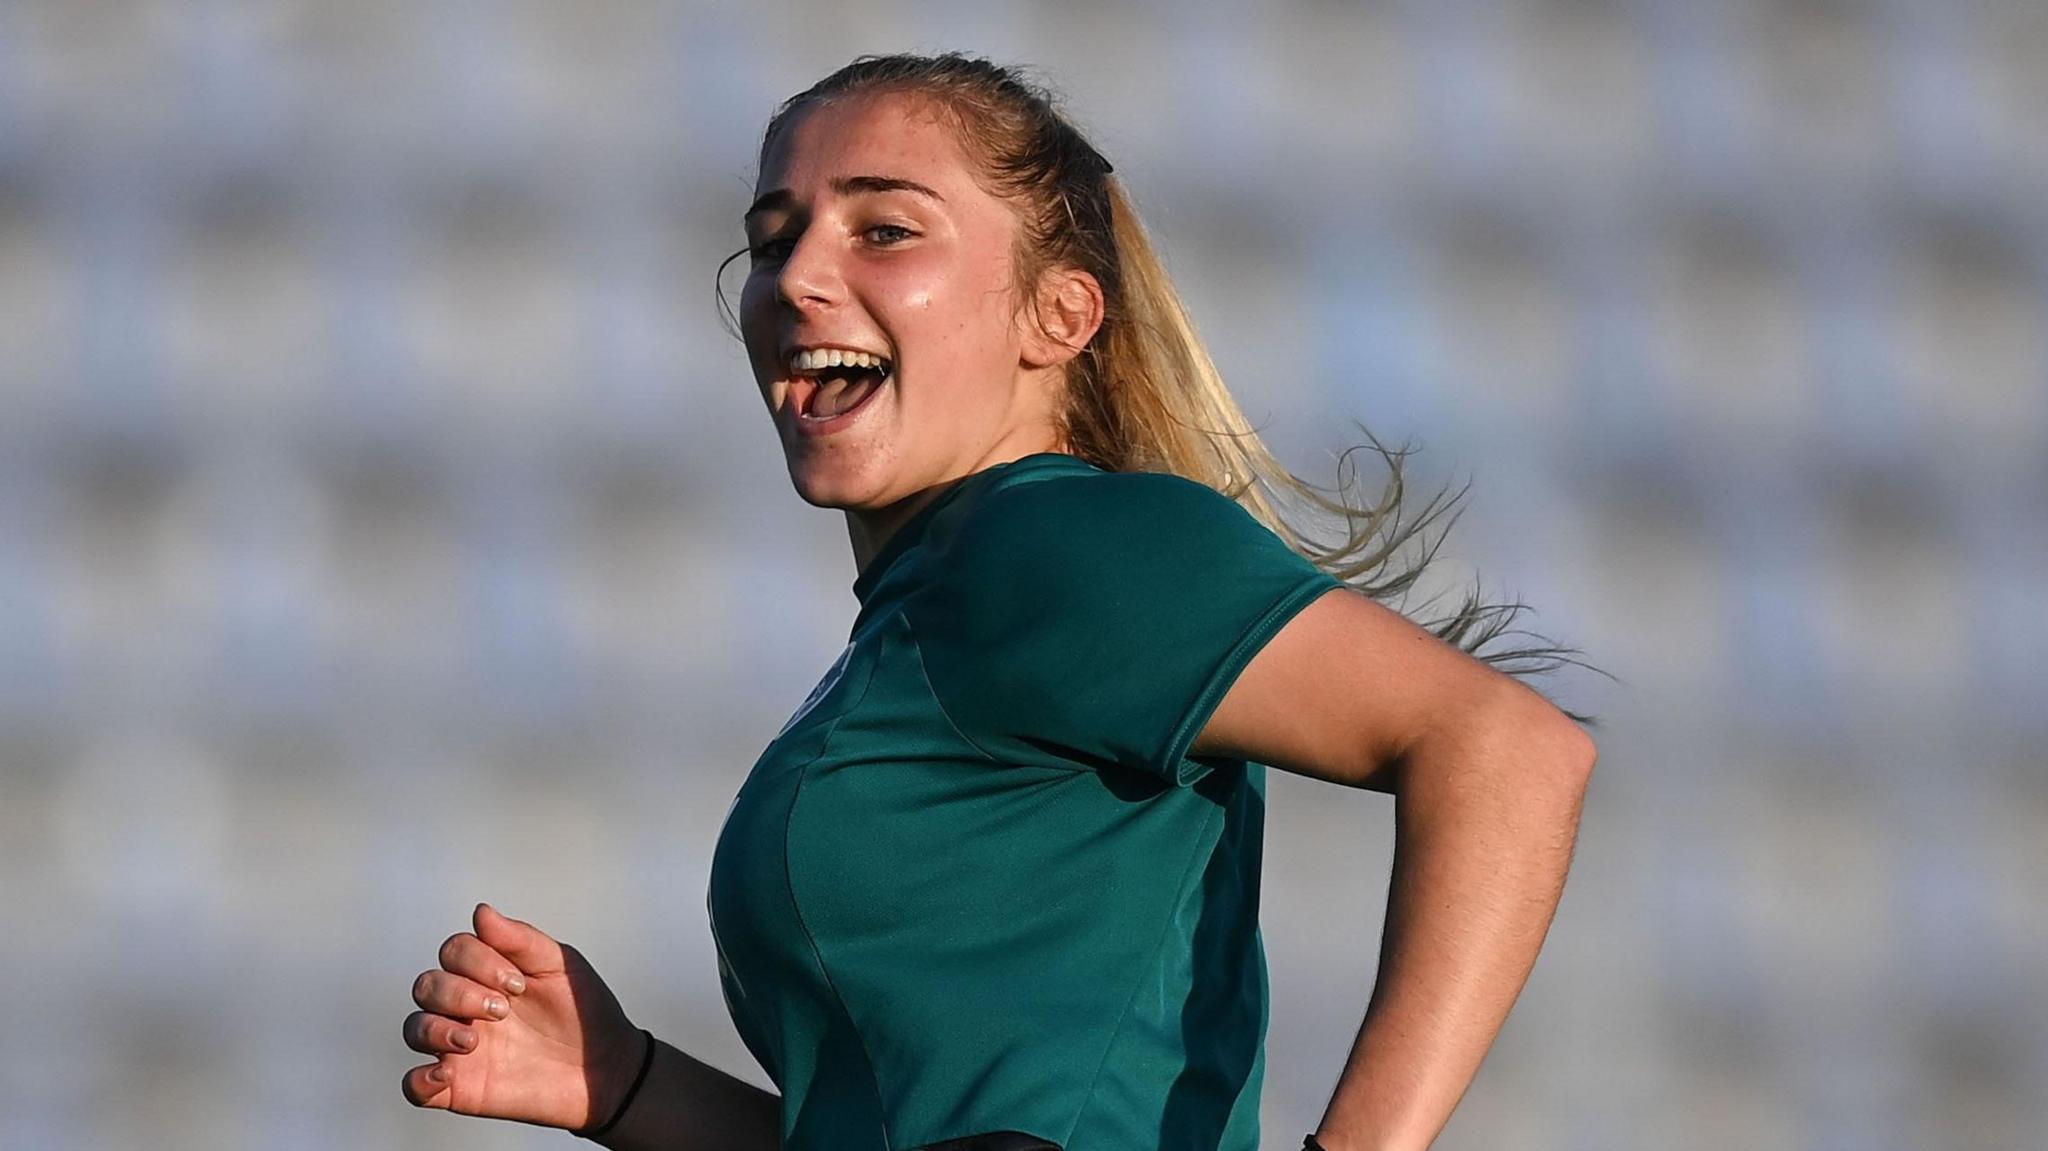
pixel 1065 315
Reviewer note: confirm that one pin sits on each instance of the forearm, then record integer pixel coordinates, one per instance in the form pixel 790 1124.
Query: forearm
pixel 689 1105
pixel 1485 820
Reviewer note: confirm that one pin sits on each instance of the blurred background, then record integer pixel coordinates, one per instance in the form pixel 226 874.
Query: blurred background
pixel 387 524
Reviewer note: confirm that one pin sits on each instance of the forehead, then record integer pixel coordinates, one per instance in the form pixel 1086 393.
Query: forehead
pixel 888 134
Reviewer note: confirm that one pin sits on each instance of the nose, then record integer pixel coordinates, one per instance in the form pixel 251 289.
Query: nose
pixel 810 276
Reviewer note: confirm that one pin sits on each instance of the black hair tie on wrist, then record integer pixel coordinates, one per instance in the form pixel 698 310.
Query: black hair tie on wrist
pixel 1308 1143
pixel 646 1062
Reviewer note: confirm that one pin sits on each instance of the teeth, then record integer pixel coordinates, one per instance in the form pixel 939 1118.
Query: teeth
pixel 818 359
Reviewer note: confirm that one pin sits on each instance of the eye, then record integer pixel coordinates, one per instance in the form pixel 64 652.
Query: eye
pixel 773 248
pixel 890 233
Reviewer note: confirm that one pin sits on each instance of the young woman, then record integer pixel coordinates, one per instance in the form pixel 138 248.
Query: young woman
pixel 995 883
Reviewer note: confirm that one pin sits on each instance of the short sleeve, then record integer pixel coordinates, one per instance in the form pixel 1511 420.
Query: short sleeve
pixel 1101 618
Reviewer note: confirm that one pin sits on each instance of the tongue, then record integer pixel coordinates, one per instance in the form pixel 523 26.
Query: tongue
pixel 841 395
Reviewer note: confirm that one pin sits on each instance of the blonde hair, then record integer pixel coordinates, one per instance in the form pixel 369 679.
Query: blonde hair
pixel 1144 394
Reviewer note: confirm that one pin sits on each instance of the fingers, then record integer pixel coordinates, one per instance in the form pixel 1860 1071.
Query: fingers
pixel 479 973
pixel 528 947
pixel 446 993
pixel 465 955
pixel 431 1034
pixel 421 1090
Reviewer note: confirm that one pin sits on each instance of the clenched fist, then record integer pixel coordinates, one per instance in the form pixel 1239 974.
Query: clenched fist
pixel 522 1028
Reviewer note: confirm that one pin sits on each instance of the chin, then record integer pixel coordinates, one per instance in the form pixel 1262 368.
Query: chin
pixel 835 479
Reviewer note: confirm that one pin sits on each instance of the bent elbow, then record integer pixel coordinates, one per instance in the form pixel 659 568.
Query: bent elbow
pixel 1516 732
pixel 1583 753
pixel 1560 741
pixel 1548 736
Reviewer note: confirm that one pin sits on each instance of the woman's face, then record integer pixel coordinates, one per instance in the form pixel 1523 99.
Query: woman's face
pixel 871 235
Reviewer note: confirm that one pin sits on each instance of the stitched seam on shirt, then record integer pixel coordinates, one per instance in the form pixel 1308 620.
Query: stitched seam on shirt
pixel 789 879
pixel 1165 929
pixel 932 690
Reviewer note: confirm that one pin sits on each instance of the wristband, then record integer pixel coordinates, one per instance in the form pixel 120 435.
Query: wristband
pixel 646 1062
pixel 1308 1143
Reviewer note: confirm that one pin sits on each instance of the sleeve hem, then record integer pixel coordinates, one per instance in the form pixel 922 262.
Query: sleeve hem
pixel 1172 762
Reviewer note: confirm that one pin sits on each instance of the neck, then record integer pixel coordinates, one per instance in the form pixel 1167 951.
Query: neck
pixel 870 530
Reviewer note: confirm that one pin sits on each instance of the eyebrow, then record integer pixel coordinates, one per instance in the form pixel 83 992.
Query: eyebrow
pixel 845 186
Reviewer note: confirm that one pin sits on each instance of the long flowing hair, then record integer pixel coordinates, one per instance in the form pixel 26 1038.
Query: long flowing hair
pixel 1144 395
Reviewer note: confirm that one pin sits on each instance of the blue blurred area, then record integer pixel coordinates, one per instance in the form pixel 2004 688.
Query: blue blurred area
pixel 387 524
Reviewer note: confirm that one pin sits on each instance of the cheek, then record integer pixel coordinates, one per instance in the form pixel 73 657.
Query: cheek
pixel 757 316
pixel 756 291
pixel 908 286
pixel 945 314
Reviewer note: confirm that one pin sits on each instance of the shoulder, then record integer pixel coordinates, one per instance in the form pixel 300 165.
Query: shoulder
pixel 1096 613
pixel 1112 490
pixel 1114 512
pixel 1062 541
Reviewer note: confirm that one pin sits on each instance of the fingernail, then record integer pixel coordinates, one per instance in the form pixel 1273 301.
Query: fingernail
pixel 464 1038
pixel 515 983
pixel 496 1007
pixel 438 1074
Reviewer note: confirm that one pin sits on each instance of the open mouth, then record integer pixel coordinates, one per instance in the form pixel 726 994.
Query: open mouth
pixel 824 390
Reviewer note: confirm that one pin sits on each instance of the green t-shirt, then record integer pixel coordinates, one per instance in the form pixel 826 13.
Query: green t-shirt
pixel 976 884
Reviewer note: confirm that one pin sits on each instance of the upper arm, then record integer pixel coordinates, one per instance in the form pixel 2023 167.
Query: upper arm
pixel 1349 687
